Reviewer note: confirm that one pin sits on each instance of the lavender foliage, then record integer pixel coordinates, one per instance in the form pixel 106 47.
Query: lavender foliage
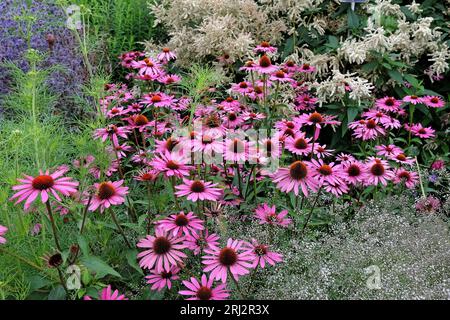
pixel 49 35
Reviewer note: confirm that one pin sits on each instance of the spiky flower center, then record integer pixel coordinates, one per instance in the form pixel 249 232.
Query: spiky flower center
pixel 298 170
pixel 106 190
pixel 156 98
pixel 181 220
pixel 377 169
pixel 306 66
pixel 172 165
pixel 243 85
pixel 140 120
pixel 301 144
pixel 264 62
pixel 197 186
pixel 260 250
pixel 414 97
pixel 166 275
pixel 161 245
pixel 228 256
pixel 434 100
pixel 166 50
pixel 43 182
pixel 265 44
pixel 404 175
pixel 204 293
pixel 371 124
pixel 232 116
pixel 316 117
pixel 148 63
pixel 279 74
pixel 353 170
pixel 422 131
pixel 389 102
pixel 401 157
pixel 325 170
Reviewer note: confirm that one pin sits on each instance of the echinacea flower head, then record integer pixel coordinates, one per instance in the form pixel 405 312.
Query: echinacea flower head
pixel 236 150
pixel 198 190
pixel 299 144
pixel 262 255
pixel 390 150
pixel 388 104
pixel 354 172
pixel 233 258
pixel 413 99
pixel 204 290
pixel 438 165
pixel 108 194
pixel 197 242
pixel 268 215
pixel 146 175
pixel 402 159
pixel 326 172
pixel 3 230
pixel 296 177
pixel 44 184
pixel 112 132
pixel 166 55
pixel 163 251
pixel 181 223
pixel 171 164
pixel 108 294
pixel 265 66
pixel 306 68
pixel 378 171
pixel 163 279
pixel 409 178
pixel 422 132
pixel 433 101
pixel 265 47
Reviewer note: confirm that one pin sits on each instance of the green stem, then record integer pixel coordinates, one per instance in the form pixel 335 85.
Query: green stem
pixel 119 228
pixel 52 223
pixel 310 212
pixel 420 178
pixel 236 284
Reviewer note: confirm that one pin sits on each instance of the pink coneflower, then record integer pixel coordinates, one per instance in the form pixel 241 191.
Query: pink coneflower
pixel 270 147
pixel 232 120
pixel 409 178
pixel 382 118
pixel 134 108
pixel 297 175
pixel 146 175
pixel 44 184
pixel 147 67
pixel 265 47
pixel 171 165
pixel 268 215
pixel 163 251
pixel 305 102
pixel 229 104
pixel 402 159
pixel 158 99
pixel 388 150
pixel 306 68
pixel 413 99
pixel 378 171
pixel 299 144
pixel 138 121
pixel 108 194
pixel 120 150
pixel 354 172
pixel 422 132
pixel 198 190
pixel 169 79
pixel 167 145
pixel 208 144
pixel 250 65
pixel 244 87
pixel 367 129
pixel 388 104
pixel 233 258
pixel 3 230
pixel 318 120
pixel 253 116
pixel 160 280
pixel 326 172
pixel 321 151
pixel 108 294
pixel 262 255
pixel 235 150
pixel 36 229
pixel 433 101
pixel 197 242
pixel 181 223
pixel 284 125
pixel 204 290
pixel 166 55
pixel 345 158
pixel 265 66
pixel 115 111
pixel 280 76
pixel 112 132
